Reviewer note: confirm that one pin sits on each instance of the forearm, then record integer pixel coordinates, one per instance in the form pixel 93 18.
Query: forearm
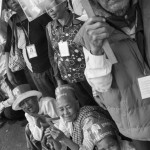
pixel 98 71
pixel 69 143
pixel 57 145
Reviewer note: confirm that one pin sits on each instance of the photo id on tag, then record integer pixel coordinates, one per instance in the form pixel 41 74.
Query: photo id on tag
pixel 31 51
pixel 144 85
pixel 63 49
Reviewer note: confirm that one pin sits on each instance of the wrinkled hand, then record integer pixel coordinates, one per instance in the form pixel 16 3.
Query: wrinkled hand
pixel 55 133
pixel 97 31
pixel 1 107
pixel 11 78
pixel 43 120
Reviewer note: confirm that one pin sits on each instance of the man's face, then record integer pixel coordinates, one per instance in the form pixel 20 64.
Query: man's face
pixel 114 6
pixel 57 11
pixel 14 5
pixel 30 105
pixel 67 108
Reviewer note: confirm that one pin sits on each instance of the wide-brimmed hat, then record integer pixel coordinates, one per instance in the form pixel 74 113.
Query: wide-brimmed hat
pixel 22 92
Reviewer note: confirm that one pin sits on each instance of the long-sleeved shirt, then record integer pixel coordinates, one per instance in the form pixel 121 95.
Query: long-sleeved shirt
pixel 98 71
pixel 67 129
pixel 46 107
pixel 98 68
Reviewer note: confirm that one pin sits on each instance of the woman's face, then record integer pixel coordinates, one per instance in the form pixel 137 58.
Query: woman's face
pixel 57 12
pixel 67 108
pixel 114 6
pixel 108 143
pixel 14 5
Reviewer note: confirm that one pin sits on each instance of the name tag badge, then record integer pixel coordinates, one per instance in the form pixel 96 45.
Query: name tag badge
pixel 31 51
pixel 144 85
pixel 63 49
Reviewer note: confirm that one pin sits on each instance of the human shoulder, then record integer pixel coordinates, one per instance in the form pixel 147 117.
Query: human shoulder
pixel 47 99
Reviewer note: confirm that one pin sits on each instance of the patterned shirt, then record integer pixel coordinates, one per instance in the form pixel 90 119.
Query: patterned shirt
pixel 71 67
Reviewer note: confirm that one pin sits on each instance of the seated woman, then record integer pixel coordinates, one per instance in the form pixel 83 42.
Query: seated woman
pixel 74 121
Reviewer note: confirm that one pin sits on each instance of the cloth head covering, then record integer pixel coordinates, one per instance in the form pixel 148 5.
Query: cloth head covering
pixel 101 129
pixel 22 92
pixel 64 91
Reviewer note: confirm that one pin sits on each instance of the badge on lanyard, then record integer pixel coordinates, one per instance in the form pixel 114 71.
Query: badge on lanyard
pixel 63 49
pixel 144 85
pixel 31 51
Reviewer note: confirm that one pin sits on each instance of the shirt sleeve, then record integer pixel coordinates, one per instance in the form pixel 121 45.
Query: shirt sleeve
pixel 7 47
pixel 35 130
pixel 98 71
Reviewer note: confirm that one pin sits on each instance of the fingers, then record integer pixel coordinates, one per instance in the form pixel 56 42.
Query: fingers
pixel 95 20
pixel 97 31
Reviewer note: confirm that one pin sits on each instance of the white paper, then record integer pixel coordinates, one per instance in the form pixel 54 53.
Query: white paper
pixel 144 85
pixel 31 51
pixel 63 49
pixel 33 8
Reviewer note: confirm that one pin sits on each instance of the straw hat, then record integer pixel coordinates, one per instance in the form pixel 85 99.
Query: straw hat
pixel 22 92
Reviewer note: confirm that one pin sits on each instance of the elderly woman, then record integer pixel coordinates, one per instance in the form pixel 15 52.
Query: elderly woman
pixel 69 64
pixel 74 121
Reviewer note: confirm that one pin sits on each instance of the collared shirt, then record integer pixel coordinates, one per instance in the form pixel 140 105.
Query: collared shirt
pixel 71 67
pixel 67 129
pixel 46 107
pixel 98 68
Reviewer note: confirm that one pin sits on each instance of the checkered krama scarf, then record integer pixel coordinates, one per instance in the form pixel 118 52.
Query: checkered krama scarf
pixel 85 112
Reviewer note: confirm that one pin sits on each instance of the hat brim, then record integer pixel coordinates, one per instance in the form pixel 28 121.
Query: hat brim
pixel 23 96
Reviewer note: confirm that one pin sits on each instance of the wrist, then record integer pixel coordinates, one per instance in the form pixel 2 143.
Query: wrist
pixel 97 51
pixel 64 140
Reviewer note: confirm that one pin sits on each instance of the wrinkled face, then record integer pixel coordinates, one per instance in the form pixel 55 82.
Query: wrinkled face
pixel 108 143
pixel 14 5
pixel 114 6
pixel 67 108
pixel 58 11
pixel 30 105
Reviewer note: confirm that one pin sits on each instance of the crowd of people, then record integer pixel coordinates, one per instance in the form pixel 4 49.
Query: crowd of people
pixel 57 72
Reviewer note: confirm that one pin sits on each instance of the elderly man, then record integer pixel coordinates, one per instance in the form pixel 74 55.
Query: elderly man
pixel 117 87
pixel 74 121
pixel 39 113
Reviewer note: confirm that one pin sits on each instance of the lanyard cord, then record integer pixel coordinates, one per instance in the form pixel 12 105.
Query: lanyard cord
pixel 27 33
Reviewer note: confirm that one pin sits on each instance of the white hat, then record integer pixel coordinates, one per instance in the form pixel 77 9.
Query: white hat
pixel 22 92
